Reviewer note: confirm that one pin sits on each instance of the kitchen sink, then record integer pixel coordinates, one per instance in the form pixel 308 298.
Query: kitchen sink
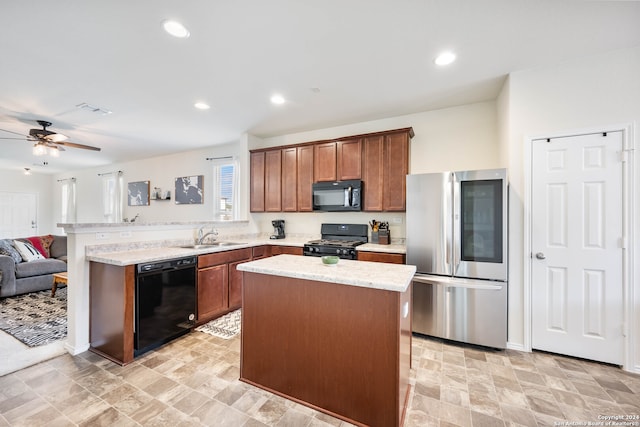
pixel 210 245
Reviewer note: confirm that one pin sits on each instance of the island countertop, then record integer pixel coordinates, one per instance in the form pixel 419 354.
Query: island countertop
pixel 374 275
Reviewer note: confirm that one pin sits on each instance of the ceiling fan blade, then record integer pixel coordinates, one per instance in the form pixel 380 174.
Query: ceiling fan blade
pixel 16 133
pixel 73 144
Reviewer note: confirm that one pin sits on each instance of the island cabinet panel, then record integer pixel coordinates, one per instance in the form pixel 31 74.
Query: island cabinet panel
pixel 289 179
pixel 291 250
pixel 111 298
pixel 349 159
pixel 305 178
pixel 273 181
pixel 324 161
pixel 256 202
pixel 344 350
pixel 219 286
pixel 381 257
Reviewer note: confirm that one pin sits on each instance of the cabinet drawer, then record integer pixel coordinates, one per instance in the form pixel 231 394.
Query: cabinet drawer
pixel 223 257
pixel 381 257
pixel 261 252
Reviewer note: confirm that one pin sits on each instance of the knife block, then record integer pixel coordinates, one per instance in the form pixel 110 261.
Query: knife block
pixel 384 237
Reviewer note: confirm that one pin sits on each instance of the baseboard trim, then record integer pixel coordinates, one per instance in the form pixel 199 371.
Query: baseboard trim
pixel 74 351
pixel 516 346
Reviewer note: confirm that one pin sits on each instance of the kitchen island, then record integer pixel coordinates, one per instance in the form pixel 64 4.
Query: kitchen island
pixel 335 338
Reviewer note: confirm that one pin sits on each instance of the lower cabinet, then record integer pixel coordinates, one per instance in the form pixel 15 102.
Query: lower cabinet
pixel 381 257
pixel 219 283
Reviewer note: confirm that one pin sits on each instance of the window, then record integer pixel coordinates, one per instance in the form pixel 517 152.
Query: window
pixel 225 189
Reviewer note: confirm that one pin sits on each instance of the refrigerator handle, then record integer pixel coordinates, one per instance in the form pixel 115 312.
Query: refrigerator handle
pixel 455 225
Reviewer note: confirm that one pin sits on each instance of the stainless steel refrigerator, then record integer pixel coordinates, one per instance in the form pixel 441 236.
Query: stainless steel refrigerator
pixel 457 238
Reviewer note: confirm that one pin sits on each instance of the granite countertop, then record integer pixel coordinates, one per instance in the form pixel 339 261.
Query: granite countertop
pixel 376 275
pixel 143 252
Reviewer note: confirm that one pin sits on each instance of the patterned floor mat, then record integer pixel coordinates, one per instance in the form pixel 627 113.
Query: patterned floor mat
pixel 35 318
pixel 227 326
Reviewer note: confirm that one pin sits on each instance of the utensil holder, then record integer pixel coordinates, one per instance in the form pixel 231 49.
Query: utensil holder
pixel 374 237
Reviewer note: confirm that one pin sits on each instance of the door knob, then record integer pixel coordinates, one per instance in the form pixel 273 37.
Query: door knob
pixel 540 255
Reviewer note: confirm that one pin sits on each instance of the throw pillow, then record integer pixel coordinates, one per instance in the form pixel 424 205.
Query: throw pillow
pixel 28 252
pixel 6 248
pixel 42 244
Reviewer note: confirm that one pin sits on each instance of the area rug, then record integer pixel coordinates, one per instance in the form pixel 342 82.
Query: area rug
pixel 36 318
pixel 227 326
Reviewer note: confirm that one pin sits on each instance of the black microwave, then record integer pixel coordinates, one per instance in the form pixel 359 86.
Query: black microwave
pixel 337 196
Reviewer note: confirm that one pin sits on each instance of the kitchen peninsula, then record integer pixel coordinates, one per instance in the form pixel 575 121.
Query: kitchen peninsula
pixel 335 338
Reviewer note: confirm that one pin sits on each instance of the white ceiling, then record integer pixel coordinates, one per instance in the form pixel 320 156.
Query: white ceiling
pixel 368 59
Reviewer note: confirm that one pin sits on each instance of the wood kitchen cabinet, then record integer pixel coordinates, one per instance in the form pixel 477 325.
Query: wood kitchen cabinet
pixel 385 167
pixel 381 257
pixel 305 178
pixel 259 252
pixel 290 179
pixel 273 181
pixel 324 161
pixel 256 171
pixel 338 160
pixel 219 286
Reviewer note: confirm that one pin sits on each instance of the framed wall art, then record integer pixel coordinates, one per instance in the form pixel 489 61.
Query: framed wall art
pixel 189 190
pixel 138 193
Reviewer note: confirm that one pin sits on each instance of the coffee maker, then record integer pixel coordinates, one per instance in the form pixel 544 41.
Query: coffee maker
pixel 278 228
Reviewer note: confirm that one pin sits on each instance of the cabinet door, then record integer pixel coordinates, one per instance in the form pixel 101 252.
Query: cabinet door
pixel 324 161
pixel 372 172
pixel 396 167
pixel 257 182
pixel 273 181
pixel 289 179
pixel 305 178
pixel 349 159
pixel 213 291
pixel 235 285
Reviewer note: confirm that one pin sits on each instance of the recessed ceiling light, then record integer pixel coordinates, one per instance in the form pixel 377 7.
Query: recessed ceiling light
pixel 277 99
pixel 27 171
pixel 175 28
pixel 201 106
pixel 445 58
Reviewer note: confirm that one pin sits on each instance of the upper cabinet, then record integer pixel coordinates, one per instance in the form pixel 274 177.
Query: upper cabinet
pixel 281 177
pixel 385 167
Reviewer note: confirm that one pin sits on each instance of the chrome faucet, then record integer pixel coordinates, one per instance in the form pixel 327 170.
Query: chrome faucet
pixel 202 235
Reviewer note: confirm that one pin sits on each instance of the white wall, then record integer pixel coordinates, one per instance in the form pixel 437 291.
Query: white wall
pixel 39 184
pixel 161 172
pixel 587 93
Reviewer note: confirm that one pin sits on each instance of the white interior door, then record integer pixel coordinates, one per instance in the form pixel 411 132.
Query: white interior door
pixel 18 215
pixel 577 259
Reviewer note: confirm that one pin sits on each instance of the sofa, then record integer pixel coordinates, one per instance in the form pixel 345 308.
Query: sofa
pixel 22 273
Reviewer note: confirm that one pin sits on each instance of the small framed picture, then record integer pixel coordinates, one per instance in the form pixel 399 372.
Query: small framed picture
pixel 189 190
pixel 138 193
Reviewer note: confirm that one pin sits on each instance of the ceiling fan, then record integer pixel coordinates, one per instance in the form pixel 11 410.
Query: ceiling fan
pixel 46 140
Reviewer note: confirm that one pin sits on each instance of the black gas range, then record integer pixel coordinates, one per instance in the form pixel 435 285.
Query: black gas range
pixel 338 239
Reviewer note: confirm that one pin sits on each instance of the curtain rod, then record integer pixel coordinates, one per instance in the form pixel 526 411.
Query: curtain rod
pixel 110 173
pixel 67 179
pixel 220 158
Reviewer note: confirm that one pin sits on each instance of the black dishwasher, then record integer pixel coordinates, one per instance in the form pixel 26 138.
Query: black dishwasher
pixel 165 302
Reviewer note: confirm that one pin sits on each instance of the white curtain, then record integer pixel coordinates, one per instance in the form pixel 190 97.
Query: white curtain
pixel 112 193
pixel 72 213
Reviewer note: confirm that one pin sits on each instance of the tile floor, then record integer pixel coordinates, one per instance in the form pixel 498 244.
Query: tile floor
pixel 193 382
